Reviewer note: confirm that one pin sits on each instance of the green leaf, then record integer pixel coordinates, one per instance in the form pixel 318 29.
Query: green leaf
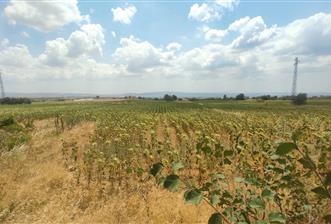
pixel 285 147
pixel 206 186
pixel 228 153
pixel 320 191
pixel 140 171
pixel 226 194
pixel 156 169
pixel 217 176
pixel 278 170
pixel 328 179
pixel 214 199
pixel 256 203
pixel 177 166
pixel 266 193
pixel 227 161
pixel 296 135
pixel 276 217
pixel 215 218
pixel 239 179
pixel 161 181
pixel 193 196
pixel 307 163
pixel 206 150
pixel 171 183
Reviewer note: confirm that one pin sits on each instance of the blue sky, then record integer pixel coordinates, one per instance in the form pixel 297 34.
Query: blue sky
pixel 107 47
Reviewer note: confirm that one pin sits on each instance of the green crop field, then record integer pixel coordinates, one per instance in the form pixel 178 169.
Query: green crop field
pixel 227 161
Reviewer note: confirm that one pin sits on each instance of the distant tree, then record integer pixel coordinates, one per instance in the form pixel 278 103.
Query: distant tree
pixel 168 97
pixel 300 99
pixel 240 96
pixel 265 97
pixel 225 97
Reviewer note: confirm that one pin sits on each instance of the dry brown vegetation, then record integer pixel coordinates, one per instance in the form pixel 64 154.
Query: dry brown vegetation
pixel 36 187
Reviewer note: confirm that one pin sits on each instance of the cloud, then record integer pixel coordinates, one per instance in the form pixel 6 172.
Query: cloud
pixel 310 35
pixel 208 58
pixel 212 10
pixel 25 34
pixel 214 35
pixel 239 24
pixel 16 56
pixel 124 15
pixel 4 42
pixel 55 53
pixel 88 41
pixel 44 16
pixel 137 55
pixel 253 32
pixel 227 4
pixel 174 46
pixel 19 64
pixel 203 13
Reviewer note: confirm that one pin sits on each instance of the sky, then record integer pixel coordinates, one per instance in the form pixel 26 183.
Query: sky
pixel 113 47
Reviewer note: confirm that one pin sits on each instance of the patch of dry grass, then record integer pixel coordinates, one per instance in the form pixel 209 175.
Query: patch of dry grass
pixel 36 187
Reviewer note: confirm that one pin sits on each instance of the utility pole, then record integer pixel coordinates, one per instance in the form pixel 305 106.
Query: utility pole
pixel 1 86
pixel 295 76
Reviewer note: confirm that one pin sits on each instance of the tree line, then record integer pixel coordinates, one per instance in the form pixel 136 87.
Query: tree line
pixel 14 100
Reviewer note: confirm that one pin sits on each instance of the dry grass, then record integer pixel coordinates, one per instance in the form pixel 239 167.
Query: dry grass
pixel 35 187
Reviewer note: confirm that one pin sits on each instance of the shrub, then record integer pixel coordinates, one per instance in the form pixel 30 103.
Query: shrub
pixel 300 99
pixel 240 96
pixel 168 97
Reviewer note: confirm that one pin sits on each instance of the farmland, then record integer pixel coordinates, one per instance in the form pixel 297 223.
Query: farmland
pixel 144 161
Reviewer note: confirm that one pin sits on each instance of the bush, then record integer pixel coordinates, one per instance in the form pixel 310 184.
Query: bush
pixel 169 97
pixel 300 99
pixel 240 96
pixel 265 97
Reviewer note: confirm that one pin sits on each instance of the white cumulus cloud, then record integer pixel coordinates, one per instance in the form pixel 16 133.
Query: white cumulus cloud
pixel 253 32
pixel 137 55
pixel 88 41
pixel 214 35
pixel 211 10
pixel 174 46
pixel 124 15
pixel 44 16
